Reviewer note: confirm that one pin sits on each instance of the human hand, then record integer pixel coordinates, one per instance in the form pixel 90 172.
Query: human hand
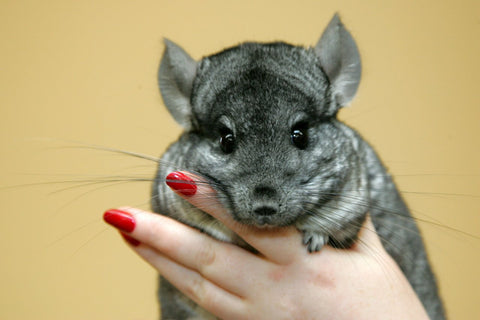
pixel 282 281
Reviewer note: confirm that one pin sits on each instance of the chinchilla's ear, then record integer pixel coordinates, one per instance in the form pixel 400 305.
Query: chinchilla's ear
pixel 340 60
pixel 175 78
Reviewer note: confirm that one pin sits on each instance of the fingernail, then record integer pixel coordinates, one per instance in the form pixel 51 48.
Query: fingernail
pixel 181 183
pixel 120 219
pixel 133 242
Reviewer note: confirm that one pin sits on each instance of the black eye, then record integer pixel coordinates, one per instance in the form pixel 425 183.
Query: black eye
pixel 227 140
pixel 299 135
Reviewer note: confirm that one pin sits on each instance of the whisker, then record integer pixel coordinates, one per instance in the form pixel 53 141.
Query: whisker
pixel 402 215
pixel 88 242
pixel 83 145
pixel 72 232
pixel 107 185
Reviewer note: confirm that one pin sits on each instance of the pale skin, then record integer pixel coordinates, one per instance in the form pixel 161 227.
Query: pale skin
pixel 283 281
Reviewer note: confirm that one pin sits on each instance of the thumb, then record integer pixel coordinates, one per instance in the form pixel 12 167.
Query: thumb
pixel 368 237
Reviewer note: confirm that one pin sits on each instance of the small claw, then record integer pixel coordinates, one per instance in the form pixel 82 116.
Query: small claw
pixel 314 241
pixel 306 240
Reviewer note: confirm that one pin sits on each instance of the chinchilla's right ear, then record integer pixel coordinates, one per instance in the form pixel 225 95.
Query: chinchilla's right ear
pixel 175 79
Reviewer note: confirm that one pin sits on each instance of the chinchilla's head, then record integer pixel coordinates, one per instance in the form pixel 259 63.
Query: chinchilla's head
pixel 260 122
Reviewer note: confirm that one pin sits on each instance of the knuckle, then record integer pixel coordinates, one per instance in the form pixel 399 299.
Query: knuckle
pixel 206 255
pixel 195 289
pixel 201 292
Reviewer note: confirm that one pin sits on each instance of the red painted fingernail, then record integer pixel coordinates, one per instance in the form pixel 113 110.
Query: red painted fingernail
pixel 132 241
pixel 120 219
pixel 181 183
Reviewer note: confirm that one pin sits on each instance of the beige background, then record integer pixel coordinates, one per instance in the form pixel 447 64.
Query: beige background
pixel 85 71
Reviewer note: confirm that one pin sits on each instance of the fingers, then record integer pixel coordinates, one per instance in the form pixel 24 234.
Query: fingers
pixel 205 293
pixel 280 245
pixel 175 242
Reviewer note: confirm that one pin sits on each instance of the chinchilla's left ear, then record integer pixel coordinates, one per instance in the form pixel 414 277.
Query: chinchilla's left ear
pixel 340 60
pixel 175 78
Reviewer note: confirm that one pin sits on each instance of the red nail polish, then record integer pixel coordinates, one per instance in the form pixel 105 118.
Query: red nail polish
pixel 181 183
pixel 120 219
pixel 132 241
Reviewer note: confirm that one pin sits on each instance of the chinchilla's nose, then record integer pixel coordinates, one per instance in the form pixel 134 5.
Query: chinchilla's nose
pixel 265 200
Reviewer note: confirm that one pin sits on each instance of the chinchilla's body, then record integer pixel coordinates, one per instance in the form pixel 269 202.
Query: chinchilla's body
pixel 260 125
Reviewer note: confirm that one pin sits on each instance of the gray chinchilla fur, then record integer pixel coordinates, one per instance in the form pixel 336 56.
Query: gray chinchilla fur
pixel 260 125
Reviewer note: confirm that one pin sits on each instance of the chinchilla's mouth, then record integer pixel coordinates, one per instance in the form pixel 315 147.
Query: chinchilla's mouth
pixel 266 222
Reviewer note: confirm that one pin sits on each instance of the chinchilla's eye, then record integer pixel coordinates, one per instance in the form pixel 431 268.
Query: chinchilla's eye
pixel 299 135
pixel 227 141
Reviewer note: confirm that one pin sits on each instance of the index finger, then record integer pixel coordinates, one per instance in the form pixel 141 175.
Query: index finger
pixel 280 245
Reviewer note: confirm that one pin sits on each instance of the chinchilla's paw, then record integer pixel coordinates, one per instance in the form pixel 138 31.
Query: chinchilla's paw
pixel 314 241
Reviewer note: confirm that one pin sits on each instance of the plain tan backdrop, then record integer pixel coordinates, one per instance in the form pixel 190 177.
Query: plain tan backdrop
pixel 85 71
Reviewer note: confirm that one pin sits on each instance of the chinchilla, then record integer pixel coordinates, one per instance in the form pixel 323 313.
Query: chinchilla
pixel 260 125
